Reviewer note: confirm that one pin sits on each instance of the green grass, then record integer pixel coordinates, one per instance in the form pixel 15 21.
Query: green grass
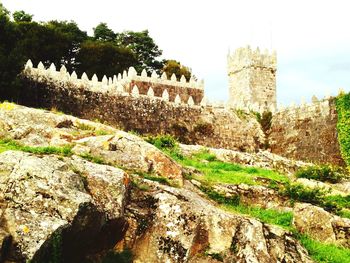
pixel 92 158
pixel 269 216
pixel 152 177
pixel 232 204
pixel 341 201
pixel 321 252
pixel 344 213
pixel 220 172
pixel 7 144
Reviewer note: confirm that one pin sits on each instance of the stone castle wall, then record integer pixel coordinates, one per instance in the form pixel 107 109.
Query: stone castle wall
pixel 152 105
pixel 307 132
pixel 130 105
pixel 252 79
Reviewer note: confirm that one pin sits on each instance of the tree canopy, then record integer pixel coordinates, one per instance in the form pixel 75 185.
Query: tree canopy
pixel 21 16
pixel 103 59
pixel 146 50
pixel 103 33
pixel 64 43
pixel 175 67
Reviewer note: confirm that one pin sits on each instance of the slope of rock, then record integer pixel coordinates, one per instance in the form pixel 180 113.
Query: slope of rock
pixel 52 207
pixel 68 209
pixel 177 225
pixel 321 225
pixel 43 128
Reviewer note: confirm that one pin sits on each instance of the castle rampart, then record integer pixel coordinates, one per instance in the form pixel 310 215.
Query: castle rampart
pixel 128 107
pixel 179 92
pixel 153 105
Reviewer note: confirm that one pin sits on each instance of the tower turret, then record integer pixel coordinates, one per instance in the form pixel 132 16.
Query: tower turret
pixel 252 79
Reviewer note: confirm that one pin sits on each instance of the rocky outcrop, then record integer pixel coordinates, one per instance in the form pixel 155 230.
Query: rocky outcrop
pixel 58 208
pixel 43 128
pixel 131 153
pixel 321 225
pixel 69 209
pixel 330 189
pixel 177 225
pixel 263 159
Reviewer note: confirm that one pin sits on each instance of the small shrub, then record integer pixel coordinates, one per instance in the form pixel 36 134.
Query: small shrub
pixel 241 114
pixel 162 141
pixel 323 173
pixel 265 120
pixel 102 132
pixel 167 144
pixel 298 192
pixel 85 127
pixel 216 256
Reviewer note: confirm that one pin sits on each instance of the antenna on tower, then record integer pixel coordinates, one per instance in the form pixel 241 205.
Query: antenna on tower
pixel 270 34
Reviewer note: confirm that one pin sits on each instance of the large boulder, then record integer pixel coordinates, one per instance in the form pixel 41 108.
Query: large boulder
pixel 35 127
pixel 178 225
pixel 132 153
pixel 62 209
pixel 321 225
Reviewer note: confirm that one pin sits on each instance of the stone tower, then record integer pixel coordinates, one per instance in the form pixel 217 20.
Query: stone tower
pixel 252 79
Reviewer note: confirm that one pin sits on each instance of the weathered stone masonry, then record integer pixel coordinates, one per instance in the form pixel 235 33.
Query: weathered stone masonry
pixel 156 105
pixel 195 124
pixel 307 132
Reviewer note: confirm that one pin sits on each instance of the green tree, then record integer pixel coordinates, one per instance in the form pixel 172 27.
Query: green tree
pixel 103 58
pixel 70 37
pixel 4 11
pixel 146 50
pixel 21 16
pixel 40 43
pixel 103 33
pixel 10 60
pixel 175 67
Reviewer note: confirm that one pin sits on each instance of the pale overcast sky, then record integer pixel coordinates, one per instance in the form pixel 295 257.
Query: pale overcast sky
pixel 312 38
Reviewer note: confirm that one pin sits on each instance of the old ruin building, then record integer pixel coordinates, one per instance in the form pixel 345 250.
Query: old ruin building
pixel 252 79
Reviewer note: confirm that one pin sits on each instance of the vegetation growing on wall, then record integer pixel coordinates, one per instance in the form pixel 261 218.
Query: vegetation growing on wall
pixel 343 125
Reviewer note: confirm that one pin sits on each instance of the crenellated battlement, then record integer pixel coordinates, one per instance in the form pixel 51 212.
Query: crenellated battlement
pixel 320 108
pixel 129 84
pixel 246 57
